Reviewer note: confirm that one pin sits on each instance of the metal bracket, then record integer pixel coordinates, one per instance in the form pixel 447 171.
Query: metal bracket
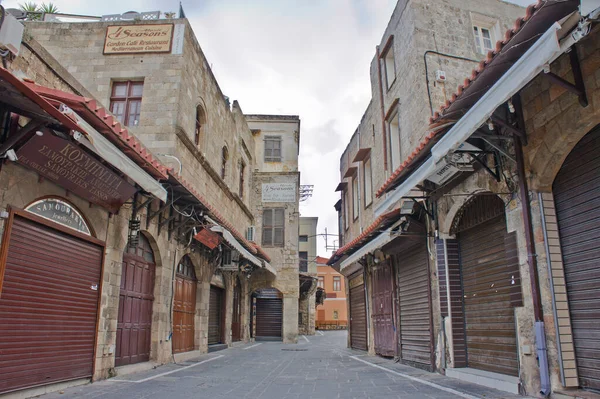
pixel 516 131
pixel 423 208
pixel 577 88
pixel 495 174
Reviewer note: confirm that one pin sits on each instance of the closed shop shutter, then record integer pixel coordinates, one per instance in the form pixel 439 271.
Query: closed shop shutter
pixel 491 289
pixel 184 307
pixel 48 306
pixel 236 322
pixel 269 316
pixel 414 306
pixel 134 324
pixel 577 199
pixel 358 314
pixel 215 321
pixel 383 309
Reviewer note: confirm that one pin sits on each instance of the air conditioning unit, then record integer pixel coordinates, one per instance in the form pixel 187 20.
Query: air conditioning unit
pixel 11 33
pixel 251 233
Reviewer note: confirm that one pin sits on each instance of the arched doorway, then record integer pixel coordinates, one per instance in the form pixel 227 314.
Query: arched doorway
pixel 576 192
pixel 184 306
pixel 491 286
pixel 236 321
pixel 268 311
pixel 135 304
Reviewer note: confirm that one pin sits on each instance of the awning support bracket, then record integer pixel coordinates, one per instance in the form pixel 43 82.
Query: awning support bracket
pixel 577 88
pixel 159 211
pixel 21 133
pixel 136 208
pixel 495 174
pixel 511 129
pixel 420 204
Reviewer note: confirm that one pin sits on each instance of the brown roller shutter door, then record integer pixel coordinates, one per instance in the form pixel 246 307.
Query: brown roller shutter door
pixel 269 316
pixel 415 314
pixel 358 314
pixel 491 289
pixel 48 306
pixel 383 309
pixel 577 199
pixel 215 321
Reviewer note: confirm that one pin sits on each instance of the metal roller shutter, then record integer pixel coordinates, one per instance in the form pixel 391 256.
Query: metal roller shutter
pixel 414 306
pixel 491 289
pixel 577 199
pixel 383 309
pixel 215 321
pixel 236 322
pixel 358 314
pixel 269 316
pixel 48 306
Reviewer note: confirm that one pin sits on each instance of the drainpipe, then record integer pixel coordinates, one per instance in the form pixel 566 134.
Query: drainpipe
pixel 383 127
pixel 540 332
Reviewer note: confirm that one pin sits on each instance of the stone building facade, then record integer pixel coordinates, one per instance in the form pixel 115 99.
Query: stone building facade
pixel 195 267
pixel 491 199
pixel 307 246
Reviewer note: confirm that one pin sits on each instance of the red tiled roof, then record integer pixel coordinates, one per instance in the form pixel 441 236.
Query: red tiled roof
pixel 467 94
pixel 379 223
pixel 106 124
pixel 321 260
pixel 261 252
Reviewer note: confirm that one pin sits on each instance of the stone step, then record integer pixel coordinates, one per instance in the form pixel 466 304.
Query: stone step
pixel 488 379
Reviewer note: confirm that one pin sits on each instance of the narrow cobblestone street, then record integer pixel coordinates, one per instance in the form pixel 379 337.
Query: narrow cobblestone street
pixel 317 367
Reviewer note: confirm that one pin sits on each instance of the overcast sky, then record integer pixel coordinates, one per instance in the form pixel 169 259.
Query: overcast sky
pixel 303 57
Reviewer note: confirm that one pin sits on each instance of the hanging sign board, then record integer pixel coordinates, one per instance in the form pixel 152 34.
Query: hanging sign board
pixel 208 238
pixel 138 39
pixel 279 192
pixel 60 212
pixel 71 167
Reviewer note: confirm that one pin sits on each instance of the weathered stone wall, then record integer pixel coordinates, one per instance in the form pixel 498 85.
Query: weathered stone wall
pixel 283 259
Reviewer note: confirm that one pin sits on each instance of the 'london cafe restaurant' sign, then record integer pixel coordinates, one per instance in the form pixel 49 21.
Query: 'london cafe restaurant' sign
pixel 71 167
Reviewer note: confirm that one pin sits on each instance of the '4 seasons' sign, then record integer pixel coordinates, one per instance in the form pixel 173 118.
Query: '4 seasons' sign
pixel 128 39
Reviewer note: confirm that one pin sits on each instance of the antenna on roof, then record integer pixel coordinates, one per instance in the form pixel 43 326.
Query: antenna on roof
pixel 181 13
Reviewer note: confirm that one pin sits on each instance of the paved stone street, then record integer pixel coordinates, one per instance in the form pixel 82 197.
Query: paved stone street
pixel 321 368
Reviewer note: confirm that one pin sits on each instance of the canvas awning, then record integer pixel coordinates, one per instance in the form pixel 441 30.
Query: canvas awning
pixel 544 51
pixel 371 246
pixel 106 150
pixel 227 236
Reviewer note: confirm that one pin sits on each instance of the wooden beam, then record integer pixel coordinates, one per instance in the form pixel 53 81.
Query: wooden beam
pixel 20 134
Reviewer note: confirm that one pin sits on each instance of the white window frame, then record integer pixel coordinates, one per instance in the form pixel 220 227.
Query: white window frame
pixel 389 64
pixel 368 182
pixel 270 157
pixel 395 140
pixel 480 22
pixel 346 216
pixel 355 198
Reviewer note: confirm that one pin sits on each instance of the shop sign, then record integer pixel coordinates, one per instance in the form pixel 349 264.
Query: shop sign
pixel 138 39
pixel 358 281
pixel 279 192
pixel 60 212
pixel 71 167
pixel 208 238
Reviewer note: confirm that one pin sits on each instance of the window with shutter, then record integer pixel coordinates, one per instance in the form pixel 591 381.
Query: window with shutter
pixel 273 227
pixel 272 149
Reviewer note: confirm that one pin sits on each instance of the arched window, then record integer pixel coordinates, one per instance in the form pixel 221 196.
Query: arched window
pixel 200 125
pixel 225 158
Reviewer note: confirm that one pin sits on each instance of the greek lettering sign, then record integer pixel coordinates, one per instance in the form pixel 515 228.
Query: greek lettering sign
pixel 60 212
pixel 71 167
pixel 279 192
pixel 128 39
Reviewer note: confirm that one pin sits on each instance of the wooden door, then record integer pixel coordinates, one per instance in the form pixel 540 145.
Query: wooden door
pixel 236 321
pixel 269 317
pixel 215 311
pixel 383 309
pixel 48 305
pixel 135 305
pixel 358 313
pixel 184 307
pixel 577 199
pixel 414 307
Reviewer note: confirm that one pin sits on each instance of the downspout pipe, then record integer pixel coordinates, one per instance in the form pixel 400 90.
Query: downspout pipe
pixel 540 331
